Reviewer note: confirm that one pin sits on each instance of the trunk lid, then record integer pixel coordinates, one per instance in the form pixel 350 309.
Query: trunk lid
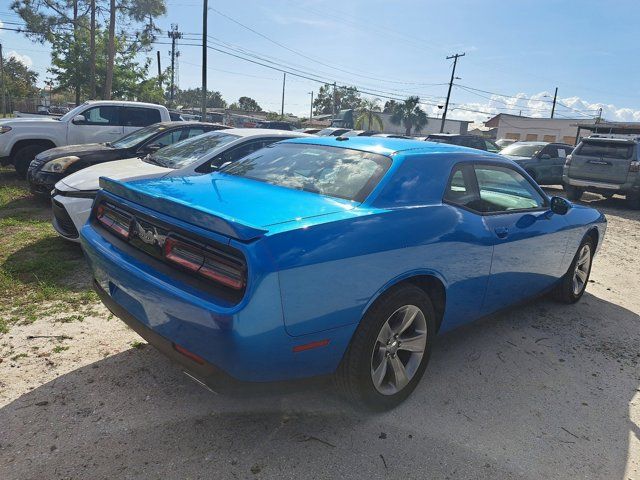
pixel 233 206
pixel 603 160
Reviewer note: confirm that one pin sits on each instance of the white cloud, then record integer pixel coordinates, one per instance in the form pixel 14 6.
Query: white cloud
pixel 24 59
pixel 538 105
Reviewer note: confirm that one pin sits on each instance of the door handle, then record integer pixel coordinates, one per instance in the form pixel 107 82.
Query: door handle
pixel 501 232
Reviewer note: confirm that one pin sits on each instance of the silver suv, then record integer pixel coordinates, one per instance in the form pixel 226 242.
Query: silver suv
pixel 605 165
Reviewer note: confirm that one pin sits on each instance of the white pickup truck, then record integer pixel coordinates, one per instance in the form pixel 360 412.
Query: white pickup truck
pixel 21 139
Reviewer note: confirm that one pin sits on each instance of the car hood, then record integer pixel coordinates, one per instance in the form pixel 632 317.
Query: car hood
pixel 245 201
pixel 130 168
pixel 27 121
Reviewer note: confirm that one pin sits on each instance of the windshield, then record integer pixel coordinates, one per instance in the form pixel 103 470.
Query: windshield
pixel 331 171
pixel 138 136
pixel 522 150
pixel 73 112
pixel 184 153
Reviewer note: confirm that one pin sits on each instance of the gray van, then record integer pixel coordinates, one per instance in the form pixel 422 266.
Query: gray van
pixel 605 165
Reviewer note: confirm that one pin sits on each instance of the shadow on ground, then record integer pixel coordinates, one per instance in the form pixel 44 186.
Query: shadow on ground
pixel 542 391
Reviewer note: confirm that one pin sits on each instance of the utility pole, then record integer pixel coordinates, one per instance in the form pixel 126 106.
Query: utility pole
pixel 553 108
pixel 453 73
pixel 205 9
pixel 2 81
pixel 311 108
pixel 599 119
pixel 159 69
pixel 333 105
pixel 174 35
pixel 284 81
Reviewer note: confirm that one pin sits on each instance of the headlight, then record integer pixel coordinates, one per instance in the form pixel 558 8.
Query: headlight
pixel 60 164
pixel 4 129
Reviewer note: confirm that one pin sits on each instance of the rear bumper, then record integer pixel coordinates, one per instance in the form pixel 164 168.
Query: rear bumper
pixel 246 342
pixel 628 186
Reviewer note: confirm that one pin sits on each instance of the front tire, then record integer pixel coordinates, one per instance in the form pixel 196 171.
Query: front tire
pixel 574 282
pixel 573 193
pixel 390 349
pixel 23 157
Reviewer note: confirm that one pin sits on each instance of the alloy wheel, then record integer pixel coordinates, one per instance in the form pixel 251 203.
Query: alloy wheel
pixel 399 348
pixel 581 272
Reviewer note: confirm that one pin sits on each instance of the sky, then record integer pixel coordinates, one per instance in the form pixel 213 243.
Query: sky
pixel 516 52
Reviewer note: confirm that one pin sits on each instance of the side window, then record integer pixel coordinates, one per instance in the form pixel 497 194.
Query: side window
pixel 491 147
pixel 139 117
pixel 550 150
pixel 237 153
pixel 168 138
pixel 105 115
pixel 564 151
pixel 194 132
pixel 460 189
pixel 503 189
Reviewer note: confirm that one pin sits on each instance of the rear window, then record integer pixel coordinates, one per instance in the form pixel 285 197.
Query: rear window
pixel 332 171
pixel 605 149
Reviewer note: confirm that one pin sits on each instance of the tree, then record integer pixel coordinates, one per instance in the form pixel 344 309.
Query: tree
pixel 20 82
pixel 140 13
pixel 192 98
pixel 410 115
pixel 75 22
pixel 246 103
pixel 346 97
pixel 389 106
pixel 367 118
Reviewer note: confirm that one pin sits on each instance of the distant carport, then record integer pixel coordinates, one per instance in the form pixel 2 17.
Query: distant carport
pixel 625 128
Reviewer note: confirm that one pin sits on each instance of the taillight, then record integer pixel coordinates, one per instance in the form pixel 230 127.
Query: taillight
pixel 216 266
pixel 567 161
pixel 115 221
pixel 634 166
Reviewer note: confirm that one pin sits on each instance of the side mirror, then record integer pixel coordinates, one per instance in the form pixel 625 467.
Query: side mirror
pixel 79 120
pixel 560 205
pixel 545 156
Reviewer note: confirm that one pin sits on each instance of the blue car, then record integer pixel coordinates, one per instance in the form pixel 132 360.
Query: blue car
pixel 332 256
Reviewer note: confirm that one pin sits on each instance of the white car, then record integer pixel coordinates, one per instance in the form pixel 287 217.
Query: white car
pixel 21 139
pixel 73 195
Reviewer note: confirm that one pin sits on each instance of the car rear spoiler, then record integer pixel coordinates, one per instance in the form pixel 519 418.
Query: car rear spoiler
pixel 212 221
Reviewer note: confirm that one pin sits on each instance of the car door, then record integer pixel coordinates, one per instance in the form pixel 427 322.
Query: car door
pixel 134 118
pixel 529 240
pixel 101 124
pixel 549 165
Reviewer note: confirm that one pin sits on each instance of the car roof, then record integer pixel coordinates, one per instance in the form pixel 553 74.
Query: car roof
pixel 182 123
pixel 264 132
pixel 390 146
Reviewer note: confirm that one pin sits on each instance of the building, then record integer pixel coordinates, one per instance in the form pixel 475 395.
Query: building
pixel 515 127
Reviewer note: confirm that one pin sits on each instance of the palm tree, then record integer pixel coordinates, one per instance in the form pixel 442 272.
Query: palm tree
pixel 367 113
pixel 410 115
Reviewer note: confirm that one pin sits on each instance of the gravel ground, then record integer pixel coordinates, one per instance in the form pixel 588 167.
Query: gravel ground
pixel 541 391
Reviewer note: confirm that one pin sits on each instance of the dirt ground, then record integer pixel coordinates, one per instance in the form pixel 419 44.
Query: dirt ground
pixel 541 391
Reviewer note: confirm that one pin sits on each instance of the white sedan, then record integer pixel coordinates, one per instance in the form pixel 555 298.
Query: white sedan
pixel 73 196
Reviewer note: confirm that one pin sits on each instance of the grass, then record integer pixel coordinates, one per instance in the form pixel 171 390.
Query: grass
pixel 41 274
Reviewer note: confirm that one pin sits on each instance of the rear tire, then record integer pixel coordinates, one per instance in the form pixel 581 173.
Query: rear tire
pixel 23 157
pixel 574 282
pixel 633 200
pixel 573 193
pixel 390 349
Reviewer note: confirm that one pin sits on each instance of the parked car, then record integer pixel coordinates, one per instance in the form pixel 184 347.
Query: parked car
pixel 471 141
pixel 310 131
pixel 92 122
pixel 543 161
pixel 605 165
pixel 359 133
pixel 396 135
pixel 505 142
pixel 322 256
pixel 332 132
pixel 73 196
pixel 275 125
pixel 53 165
